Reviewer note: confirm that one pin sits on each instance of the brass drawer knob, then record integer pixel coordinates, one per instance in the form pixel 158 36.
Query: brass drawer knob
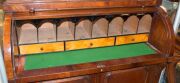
pixel 91 44
pixel 41 48
pixel 132 39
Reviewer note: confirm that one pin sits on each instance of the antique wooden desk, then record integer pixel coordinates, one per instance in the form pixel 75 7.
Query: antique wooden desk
pixel 87 41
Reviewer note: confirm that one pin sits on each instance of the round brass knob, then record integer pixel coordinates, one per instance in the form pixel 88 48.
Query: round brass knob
pixel 41 49
pixel 91 44
pixel 132 39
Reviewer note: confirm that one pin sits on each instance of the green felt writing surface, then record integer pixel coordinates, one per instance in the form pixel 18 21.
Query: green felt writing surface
pixel 37 61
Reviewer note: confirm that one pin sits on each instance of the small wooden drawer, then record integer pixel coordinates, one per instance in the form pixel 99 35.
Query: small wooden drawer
pixel 135 75
pixel 131 39
pixel 41 48
pixel 82 44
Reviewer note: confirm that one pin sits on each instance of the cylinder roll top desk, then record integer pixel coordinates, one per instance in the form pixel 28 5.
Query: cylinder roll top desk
pixel 87 41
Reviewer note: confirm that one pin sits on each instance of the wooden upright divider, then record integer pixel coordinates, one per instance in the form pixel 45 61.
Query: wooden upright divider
pixel 47 32
pixel 130 25
pixel 145 24
pixel 100 28
pixel 65 31
pixel 115 26
pixel 27 33
pixel 83 29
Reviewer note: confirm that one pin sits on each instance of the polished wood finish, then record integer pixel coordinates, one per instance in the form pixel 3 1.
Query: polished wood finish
pixel 62 20
pixel 89 68
pixel 82 44
pixel 131 39
pixel 7 47
pixel 80 79
pixel 81 12
pixel 30 6
pixel 126 76
pixel 146 74
pixel 177 45
pixel 162 20
pixel 41 48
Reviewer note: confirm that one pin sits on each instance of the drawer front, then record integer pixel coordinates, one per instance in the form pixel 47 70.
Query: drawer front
pixel 80 79
pixel 82 44
pixel 136 75
pixel 41 48
pixel 131 39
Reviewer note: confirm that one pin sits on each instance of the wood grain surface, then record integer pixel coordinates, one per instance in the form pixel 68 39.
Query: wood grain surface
pixel 131 39
pixel 145 24
pixel 130 25
pixel 65 31
pixel 41 48
pixel 27 33
pixel 116 26
pixel 83 29
pixel 82 44
pixel 100 28
pixel 47 32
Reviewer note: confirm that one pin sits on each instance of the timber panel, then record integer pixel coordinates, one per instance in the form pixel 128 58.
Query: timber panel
pixel 145 24
pixel 135 75
pixel 130 25
pixel 131 39
pixel 100 28
pixel 83 29
pixel 27 33
pixel 115 26
pixel 65 31
pixel 47 32
pixel 41 48
pixel 82 44
pixel 78 79
pixel 27 5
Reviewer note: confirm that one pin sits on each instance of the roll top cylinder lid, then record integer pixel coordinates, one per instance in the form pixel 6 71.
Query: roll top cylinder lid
pixel 43 5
